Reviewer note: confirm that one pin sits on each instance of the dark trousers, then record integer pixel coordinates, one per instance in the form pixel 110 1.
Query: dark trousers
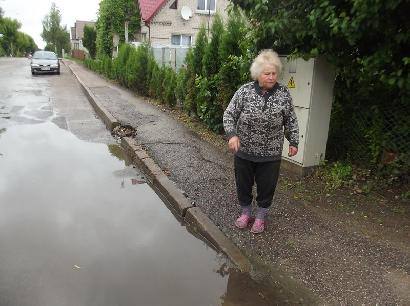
pixel 264 174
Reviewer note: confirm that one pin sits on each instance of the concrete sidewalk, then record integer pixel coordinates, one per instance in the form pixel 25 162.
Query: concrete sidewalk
pixel 312 256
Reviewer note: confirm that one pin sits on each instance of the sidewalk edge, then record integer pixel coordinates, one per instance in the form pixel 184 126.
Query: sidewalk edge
pixel 109 120
pixel 190 214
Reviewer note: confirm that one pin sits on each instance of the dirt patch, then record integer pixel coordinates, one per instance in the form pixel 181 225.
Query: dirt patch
pixel 381 214
pixel 123 131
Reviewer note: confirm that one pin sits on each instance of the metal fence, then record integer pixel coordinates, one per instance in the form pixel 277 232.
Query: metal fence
pixel 168 56
pixel 378 135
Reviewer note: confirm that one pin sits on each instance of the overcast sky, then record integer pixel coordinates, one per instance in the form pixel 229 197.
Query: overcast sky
pixel 30 13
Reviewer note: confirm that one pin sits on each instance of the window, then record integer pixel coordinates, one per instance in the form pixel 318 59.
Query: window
pixel 181 40
pixel 206 5
pixel 174 5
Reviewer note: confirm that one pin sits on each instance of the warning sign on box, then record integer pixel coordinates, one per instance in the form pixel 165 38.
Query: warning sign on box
pixel 291 83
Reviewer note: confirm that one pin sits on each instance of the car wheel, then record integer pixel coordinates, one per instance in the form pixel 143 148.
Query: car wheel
pixel 32 72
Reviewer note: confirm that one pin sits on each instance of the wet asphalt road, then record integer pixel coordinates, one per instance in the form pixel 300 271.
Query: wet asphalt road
pixel 74 227
pixel 78 224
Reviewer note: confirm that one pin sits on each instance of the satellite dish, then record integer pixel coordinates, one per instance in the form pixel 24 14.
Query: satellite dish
pixel 186 13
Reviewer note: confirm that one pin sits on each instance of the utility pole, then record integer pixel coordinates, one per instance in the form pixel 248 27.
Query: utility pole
pixel 126 32
pixel 209 14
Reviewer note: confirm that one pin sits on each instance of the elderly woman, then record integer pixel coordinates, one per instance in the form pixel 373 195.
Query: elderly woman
pixel 256 120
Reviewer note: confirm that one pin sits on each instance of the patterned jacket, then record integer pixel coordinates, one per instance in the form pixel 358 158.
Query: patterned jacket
pixel 261 121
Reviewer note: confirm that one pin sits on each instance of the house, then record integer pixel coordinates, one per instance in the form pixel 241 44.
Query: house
pixel 175 23
pixel 77 34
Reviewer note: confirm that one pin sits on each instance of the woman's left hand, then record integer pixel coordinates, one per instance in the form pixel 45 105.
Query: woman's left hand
pixel 292 151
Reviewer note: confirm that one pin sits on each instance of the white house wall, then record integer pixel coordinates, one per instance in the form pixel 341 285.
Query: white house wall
pixel 169 21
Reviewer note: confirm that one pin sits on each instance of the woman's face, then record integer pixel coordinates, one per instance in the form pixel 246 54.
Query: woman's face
pixel 268 77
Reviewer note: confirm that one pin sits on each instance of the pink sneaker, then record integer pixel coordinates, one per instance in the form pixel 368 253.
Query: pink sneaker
pixel 242 221
pixel 258 226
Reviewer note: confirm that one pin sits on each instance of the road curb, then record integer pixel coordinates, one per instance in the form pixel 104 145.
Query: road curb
pixel 159 180
pixel 162 184
pixel 198 221
pixel 204 226
pixel 109 120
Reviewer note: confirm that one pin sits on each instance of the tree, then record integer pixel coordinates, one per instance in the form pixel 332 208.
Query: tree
pixel 112 16
pixel 370 38
pixel 201 42
pixel 56 36
pixel 236 29
pixel 14 42
pixel 367 42
pixel 194 60
pixel 89 40
pixel 2 52
pixel 9 28
pixel 206 86
pixel 235 64
pixel 25 44
pixel 211 61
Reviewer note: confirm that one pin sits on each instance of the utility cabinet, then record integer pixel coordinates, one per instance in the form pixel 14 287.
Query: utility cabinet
pixel 311 86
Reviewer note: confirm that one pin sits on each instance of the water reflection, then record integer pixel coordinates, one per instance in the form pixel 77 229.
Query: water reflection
pixel 116 151
pixel 63 206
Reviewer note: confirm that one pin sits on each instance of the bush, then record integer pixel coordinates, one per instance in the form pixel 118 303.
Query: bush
pixel 130 67
pixel 189 101
pixel 180 89
pixel 155 87
pixel 210 112
pixel 120 63
pixel 337 174
pixel 169 86
pixel 87 63
pixel 211 60
pixel 143 58
pixel 150 68
pixel 106 68
pixel 228 81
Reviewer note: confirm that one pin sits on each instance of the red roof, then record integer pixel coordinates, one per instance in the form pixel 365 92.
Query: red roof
pixel 149 8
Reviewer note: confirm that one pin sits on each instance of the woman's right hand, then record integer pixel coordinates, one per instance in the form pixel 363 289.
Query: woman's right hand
pixel 234 144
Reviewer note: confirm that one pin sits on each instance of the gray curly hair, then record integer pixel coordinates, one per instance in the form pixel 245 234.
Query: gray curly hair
pixel 265 57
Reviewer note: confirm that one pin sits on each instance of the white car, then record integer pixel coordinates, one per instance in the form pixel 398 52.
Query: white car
pixel 44 62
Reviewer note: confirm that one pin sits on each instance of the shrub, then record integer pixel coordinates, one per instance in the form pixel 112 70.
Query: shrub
pixel 106 68
pixel 169 86
pixel 209 111
pixel 189 101
pixel 337 174
pixel 180 89
pixel 130 78
pixel 155 88
pixel 211 59
pixel 143 57
pixel 201 43
pixel 228 80
pixel 120 63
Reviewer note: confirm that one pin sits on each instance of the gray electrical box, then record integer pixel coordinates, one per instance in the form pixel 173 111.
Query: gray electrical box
pixel 311 85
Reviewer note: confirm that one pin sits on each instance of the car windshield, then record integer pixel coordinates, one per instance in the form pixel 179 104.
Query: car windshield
pixel 45 55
